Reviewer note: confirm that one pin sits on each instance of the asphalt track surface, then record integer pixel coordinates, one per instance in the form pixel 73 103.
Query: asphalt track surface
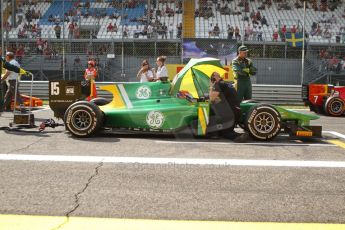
pixel 149 177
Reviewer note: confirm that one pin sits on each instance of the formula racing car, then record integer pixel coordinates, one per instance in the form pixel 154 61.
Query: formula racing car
pixel 325 98
pixel 160 107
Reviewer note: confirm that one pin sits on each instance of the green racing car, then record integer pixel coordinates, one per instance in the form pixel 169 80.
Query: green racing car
pixel 165 107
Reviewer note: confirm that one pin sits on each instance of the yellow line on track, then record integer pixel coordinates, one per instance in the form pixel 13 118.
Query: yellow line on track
pixel 338 143
pixel 24 222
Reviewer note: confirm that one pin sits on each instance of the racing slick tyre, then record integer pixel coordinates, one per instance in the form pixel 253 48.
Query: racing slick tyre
pixel 335 106
pixel 83 119
pixel 263 122
pixel 100 101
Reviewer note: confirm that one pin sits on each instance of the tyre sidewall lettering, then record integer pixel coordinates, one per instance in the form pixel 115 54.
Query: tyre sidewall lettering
pixel 75 130
pixel 255 112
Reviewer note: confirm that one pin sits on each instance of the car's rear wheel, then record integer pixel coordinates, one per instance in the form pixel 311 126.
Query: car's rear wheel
pixel 335 106
pixel 263 122
pixel 83 119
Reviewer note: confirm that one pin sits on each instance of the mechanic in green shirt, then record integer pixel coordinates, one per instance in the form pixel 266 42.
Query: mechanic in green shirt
pixel 243 68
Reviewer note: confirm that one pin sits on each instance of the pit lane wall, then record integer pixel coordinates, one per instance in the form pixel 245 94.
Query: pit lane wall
pixel 273 94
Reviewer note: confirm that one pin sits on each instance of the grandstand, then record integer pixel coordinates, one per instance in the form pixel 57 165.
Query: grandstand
pixel 275 15
pixel 131 21
pixel 148 28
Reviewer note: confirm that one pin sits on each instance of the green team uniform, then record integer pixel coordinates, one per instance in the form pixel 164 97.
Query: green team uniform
pixel 243 68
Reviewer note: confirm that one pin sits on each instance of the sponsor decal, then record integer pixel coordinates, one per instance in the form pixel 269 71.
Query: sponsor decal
pixel 155 119
pixel 143 92
pixel 304 133
pixel 69 90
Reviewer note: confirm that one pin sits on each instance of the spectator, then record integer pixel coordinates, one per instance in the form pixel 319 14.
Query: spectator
pixel 179 30
pixel 164 30
pixel 149 31
pixel 216 30
pixel 110 27
pixel 39 46
pixel 76 31
pixel 264 21
pixel 237 33
pixel 259 37
pixel 57 30
pixel 275 36
pixel 297 4
pixel 20 54
pixel 327 34
pixel 137 32
pixel 171 31
pixel 283 33
pixel 70 30
pixel 230 31
pixel 125 31
pixel 323 19
pixel 293 29
pixel 196 13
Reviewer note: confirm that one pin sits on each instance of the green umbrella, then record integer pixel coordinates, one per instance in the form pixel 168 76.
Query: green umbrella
pixel 195 76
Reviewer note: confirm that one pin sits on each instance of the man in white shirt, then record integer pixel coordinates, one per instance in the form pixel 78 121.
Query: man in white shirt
pixel 11 79
pixel 171 31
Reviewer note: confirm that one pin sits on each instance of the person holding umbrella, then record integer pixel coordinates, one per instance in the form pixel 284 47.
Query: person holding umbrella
pixel 243 69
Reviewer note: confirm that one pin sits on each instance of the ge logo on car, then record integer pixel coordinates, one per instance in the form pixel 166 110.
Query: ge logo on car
pixel 155 119
pixel 143 92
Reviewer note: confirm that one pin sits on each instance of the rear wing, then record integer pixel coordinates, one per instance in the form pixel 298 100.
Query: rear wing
pixel 64 93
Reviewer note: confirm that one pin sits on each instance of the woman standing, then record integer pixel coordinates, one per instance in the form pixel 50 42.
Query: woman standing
pixel 90 75
pixel 162 71
pixel 145 74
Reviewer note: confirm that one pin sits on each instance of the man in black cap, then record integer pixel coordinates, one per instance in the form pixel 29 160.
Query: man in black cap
pixel 243 68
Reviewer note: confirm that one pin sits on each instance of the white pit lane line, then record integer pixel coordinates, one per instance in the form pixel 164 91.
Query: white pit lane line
pixel 340 135
pixel 173 161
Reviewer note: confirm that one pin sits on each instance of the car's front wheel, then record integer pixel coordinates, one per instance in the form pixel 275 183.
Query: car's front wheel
pixel 263 122
pixel 83 119
pixel 335 106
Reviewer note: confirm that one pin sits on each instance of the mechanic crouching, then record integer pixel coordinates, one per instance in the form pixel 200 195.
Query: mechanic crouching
pixel 225 110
